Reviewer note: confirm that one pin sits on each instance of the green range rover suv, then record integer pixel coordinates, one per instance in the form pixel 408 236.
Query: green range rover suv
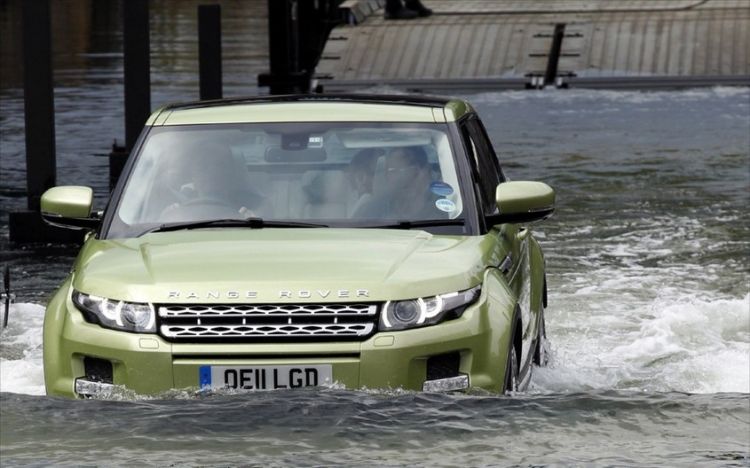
pixel 295 241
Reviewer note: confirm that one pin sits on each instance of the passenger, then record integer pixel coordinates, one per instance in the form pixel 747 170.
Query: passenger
pixel 217 187
pixel 361 172
pixel 407 194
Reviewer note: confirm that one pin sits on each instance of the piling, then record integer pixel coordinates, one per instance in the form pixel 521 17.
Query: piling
pixel 137 68
pixel 209 51
pixel 283 48
pixel 297 33
pixel 137 79
pixel 39 108
pixel 39 120
pixel 312 31
pixel 553 59
pixel 117 158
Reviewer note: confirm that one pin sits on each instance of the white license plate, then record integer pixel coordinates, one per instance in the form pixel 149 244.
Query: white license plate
pixel 264 377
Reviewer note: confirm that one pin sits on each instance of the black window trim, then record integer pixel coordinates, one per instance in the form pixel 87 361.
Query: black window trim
pixel 116 193
pixel 495 159
pixel 484 224
pixel 472 214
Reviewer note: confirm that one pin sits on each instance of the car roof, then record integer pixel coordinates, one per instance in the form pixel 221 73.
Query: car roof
pixel 314 108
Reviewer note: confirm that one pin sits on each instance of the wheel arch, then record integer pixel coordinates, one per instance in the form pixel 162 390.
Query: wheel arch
pixel 503 316
pixel 538 278
pixel 54 319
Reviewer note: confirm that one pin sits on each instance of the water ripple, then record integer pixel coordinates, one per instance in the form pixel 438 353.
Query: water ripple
pixel 323 427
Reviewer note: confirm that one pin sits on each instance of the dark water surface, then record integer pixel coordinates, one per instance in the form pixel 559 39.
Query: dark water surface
pixel 363 429
pixel 647 258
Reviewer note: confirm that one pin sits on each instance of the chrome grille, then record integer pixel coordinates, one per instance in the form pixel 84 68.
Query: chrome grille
pixel 187 322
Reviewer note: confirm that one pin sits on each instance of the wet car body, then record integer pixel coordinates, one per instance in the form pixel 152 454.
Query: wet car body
pixel 302 265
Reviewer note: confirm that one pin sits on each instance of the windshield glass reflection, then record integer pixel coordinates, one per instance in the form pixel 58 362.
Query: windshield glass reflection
pixel 346 174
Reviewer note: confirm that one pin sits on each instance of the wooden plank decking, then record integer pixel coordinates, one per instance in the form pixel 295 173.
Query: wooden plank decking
pixel 490 44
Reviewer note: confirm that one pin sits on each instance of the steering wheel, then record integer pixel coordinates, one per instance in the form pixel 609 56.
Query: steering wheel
pixel 203 207
pixel 206 201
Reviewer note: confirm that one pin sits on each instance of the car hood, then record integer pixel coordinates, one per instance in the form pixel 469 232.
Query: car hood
pixel 281 265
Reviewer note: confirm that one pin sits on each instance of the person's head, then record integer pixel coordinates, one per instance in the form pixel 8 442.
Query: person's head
pixel 362 169
pixel 406 167
pixel 213 169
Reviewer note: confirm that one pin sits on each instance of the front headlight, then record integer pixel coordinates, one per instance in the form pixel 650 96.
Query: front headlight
pixel 420 312
pixel 118 315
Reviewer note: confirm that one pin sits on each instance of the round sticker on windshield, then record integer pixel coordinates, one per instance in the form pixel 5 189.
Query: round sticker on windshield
pixel 441 188
pixel 445 205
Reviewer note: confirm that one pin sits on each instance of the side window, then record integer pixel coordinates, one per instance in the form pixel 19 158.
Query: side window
pixel 485 166
pixel 494 160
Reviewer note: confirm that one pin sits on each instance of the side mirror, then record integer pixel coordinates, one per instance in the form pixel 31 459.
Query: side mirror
pixel 69 207
pixel 523 202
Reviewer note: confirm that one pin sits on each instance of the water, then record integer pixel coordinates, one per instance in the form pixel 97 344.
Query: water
pixel 647 257
pixel 323 428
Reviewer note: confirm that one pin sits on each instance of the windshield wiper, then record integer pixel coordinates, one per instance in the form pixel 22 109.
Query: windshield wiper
pixel 252 223
pixel 417 224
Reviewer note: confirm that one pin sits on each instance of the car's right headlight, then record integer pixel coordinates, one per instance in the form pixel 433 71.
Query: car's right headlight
pixel 423 311
pixel 117 315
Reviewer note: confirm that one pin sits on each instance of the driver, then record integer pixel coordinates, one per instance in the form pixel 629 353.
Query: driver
pixel 217 187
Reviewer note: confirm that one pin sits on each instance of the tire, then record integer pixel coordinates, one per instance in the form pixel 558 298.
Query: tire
pixel 511 371
pixel 541 351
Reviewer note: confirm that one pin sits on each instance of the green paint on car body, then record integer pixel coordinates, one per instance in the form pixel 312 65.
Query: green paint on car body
pixel 231 278
pixel 70 201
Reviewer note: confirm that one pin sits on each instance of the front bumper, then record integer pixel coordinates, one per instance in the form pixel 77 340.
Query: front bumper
pixel 148 364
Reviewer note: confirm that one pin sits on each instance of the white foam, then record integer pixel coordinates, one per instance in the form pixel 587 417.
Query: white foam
pixel 601 338
pixel 21 369
pixel 689 344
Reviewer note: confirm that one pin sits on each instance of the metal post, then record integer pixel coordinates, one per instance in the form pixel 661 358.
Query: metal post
pixel 309 34
pixel 297 32
pixel 554 54
pixel 137 68
pixel 209 51
pixel 283 43
pixel 117 158
pixel 39 107
pixel 39 120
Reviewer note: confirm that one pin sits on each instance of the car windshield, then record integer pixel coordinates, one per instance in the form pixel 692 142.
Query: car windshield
pixel 332 174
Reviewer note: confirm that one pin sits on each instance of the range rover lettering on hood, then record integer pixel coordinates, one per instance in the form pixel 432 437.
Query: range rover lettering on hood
pixel 282 294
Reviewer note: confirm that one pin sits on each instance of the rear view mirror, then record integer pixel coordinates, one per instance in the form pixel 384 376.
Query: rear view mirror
pixel 295 141
pixel 280 155
pixel 69 207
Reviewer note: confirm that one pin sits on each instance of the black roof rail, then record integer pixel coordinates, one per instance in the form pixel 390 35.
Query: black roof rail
pixel 427 101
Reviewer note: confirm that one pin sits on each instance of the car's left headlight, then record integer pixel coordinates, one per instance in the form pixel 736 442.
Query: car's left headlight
pixel 118 315
pixel 423 311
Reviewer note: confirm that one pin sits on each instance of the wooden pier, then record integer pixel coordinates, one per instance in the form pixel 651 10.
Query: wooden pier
pixel 510 44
